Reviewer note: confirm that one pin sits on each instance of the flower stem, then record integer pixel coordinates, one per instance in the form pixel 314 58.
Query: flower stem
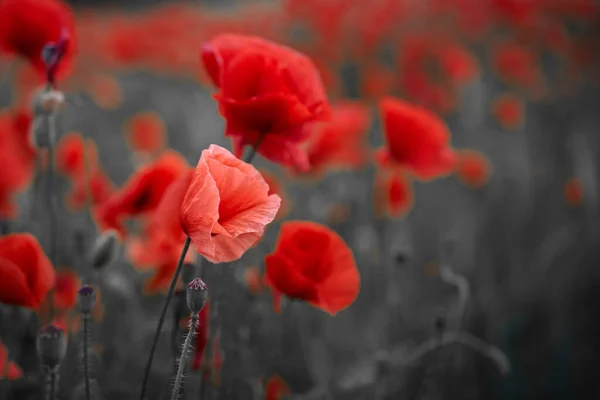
pixel 51 383
pixel 50 203
pixel 254 149
pixel 163 313
pixel 86 363
pixel 184 353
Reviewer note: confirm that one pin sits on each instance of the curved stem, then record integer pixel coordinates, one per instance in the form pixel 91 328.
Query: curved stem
pixel 254 149
pixel 86 364
pixel 163 313
pixel 184 353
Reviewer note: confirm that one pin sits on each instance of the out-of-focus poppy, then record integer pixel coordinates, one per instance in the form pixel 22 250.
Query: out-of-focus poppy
pixel 27 26
pixel 473 168
pixel 143 191
pixel 254 280
pixel 70 157
pixel 276 388
pixel 516 64
pixel 227 206
pixel 340 142
pixel 12 370
pixel 509 111
pixel 105 91
pixel 268 92
pixel 416 139
pixel 394 194
pixel 313 263
pixel 65 289
pixel 202 332
pixel 26 274
pixel 146 132
pixel 573 192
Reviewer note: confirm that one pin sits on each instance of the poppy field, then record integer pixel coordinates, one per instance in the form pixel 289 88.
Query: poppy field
pixel 299 199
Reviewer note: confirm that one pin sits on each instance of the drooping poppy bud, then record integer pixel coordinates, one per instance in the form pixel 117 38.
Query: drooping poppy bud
pixel 105 249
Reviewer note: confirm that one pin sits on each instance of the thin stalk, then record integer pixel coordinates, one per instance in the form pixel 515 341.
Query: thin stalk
pixel 254 149
pixel 163 313
pixel 51 383
pixel 184 353
pixel 86 362
pixel 50 203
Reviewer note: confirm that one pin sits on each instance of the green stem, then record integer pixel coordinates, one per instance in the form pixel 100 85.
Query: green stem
pixel 184 353
pixel 163 313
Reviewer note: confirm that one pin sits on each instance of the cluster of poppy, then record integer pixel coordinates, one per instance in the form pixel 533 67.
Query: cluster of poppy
pixel 273 99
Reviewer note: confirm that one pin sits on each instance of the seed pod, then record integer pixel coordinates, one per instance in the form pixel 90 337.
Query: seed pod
pixel 51 345
pixel 86 299
pixel 196 295
pixel 105 249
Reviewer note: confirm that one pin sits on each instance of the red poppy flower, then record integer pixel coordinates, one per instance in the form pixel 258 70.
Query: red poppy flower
pixel 227 206
pixel 253 280
pixel 276 388
pixel 27 26
pixel 104 90
pixel 100 189
pixel 203 331
pixel 65 289
pixel 146 132
pixel 342 141
pixel 416 139
pixel 509 111
pixel 11 370
pixel 473 168
pixel 143 191
pixel 70 157
pixel 26 274
pixel 516 64
pixel 393 194
pixel 268 92
pixel 573 192
pixel 313 263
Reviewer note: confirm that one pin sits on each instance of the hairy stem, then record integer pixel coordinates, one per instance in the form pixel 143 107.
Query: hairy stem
pixel 184 353
pixel 163 313
pixel 51 383
pixel 86 362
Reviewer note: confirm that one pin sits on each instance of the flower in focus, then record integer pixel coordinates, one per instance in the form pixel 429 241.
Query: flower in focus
pixel 227 206
pixel 29 26
pixel 313 263
pixel 26 274
pixel 340 142
pixel 276 187
pixel 416 139
pixel 143 191
pixel 473 168
pixel 267 92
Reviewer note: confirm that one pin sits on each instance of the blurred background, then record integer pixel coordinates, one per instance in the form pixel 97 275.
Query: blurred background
pixel 484 286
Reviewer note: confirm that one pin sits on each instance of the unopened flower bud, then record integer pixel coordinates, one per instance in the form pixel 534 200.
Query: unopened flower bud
pixel 104 250
pixel 51 345
pixel 47 102
pixel 188 273
pixel 196 295
pixel 86 299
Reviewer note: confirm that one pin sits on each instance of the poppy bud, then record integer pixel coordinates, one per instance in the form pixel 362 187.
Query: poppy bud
pixel 51 345
pixel 86 299
pixel 196 295
pixel 104 250
pixel 188 273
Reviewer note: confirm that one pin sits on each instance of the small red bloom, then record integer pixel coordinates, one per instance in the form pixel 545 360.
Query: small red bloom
pixel 254 280
pixel 342 141
pixel 509 111
pixel 473 168
pixel 26 274
pixel 573 192
pixel 276 388
pixel 12 370
pixel 65 290
pixel 265 89
pixel 227 206
pixel 70 157
pixel 146 132
pixel 394 194
pixel 416 139
pixel 143 191
pixel 27 26
pixel 313 263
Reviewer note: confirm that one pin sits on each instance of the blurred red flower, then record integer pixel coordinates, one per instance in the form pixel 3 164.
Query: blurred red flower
pixel 276 388
pixel 146 132
pixel 473 168
pixel 10 371
pixel 26 26
pixel 65 289
pixel 227 206
pixel 509 111
pixel 417 140
pixel 313 263
pixel 143 191
pixel 393 194
pixel 26 274
pixel 268 92
pixel 573 192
